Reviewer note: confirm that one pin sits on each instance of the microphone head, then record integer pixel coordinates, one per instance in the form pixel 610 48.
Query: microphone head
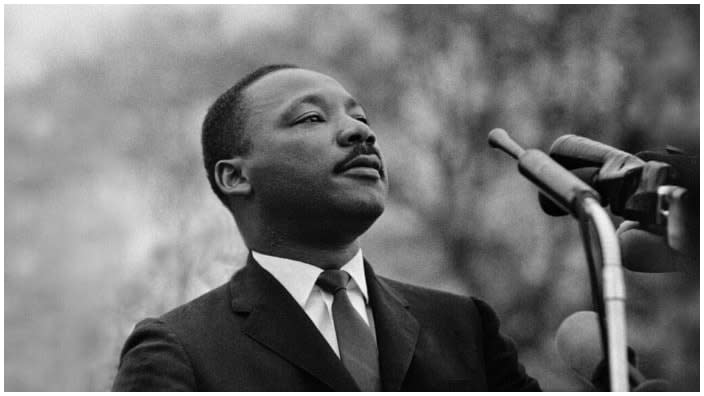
pixel 497 136
pixel 573 151
pixel 561 141
pixel 578 342
pixel 500 139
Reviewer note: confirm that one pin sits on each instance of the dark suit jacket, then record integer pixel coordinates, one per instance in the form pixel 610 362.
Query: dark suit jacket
pixel 251 335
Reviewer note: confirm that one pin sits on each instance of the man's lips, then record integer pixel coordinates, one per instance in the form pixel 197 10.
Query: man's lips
pixel 363 164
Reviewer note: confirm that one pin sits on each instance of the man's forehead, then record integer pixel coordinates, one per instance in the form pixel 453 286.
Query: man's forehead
pixel 285 85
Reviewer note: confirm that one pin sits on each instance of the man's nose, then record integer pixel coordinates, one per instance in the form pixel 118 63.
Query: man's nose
pixel 356 132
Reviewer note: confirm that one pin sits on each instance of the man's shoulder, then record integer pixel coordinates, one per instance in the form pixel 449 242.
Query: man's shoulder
pixel 167 352
pixel 209 305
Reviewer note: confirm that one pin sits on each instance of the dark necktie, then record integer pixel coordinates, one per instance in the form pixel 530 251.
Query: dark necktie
pixel 354 338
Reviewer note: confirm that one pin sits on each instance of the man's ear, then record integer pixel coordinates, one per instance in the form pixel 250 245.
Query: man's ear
pixel 231 178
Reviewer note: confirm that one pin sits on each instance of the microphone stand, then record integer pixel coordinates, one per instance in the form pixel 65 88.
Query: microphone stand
pixel 577 198
pixel 613 291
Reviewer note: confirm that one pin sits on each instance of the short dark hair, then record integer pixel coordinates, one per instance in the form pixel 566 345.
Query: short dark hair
pixel 223 134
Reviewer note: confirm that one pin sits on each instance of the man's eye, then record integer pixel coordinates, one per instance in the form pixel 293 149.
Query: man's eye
pixel 311 118
pixel 362 119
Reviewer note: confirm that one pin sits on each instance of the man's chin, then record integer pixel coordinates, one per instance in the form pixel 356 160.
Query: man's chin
pixel 340 209
pixel 357 217
pixel 361 211
pixel 365 210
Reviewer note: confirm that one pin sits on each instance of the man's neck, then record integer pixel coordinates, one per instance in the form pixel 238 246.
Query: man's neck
pixel 323 257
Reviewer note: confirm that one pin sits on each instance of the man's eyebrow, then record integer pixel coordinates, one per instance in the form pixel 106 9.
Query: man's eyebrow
pixel 352 103
pixel 313 99
pixel 319 100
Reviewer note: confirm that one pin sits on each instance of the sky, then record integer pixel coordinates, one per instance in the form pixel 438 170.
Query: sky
pixel 41 37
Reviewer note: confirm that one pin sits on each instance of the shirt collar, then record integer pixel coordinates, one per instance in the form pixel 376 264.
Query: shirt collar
pixel 355 267
pixel 299 278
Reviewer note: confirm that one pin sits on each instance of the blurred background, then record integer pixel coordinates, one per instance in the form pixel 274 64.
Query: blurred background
pixel 109 217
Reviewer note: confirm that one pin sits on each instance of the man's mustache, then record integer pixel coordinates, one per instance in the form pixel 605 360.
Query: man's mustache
pixel 358 150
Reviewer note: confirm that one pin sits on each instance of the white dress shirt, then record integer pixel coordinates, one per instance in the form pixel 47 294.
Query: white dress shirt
pixel 299 278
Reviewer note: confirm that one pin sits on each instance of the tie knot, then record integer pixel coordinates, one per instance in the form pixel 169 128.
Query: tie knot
pixel 333 281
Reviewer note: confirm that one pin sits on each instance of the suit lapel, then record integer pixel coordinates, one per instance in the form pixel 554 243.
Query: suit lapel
pixel 396 331
pixel 278 322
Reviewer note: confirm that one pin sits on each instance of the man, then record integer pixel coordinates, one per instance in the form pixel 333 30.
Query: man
pixel 290 153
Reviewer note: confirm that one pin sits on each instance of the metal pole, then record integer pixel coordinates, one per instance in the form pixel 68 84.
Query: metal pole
pixel 614 294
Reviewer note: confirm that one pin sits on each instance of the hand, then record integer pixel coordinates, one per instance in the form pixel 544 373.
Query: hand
pixel 637 382
pixel 645 251
pixel 675 248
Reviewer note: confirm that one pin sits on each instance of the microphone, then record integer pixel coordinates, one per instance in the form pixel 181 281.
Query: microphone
pixel 579 345
pixel 573 151
pixel 660 191
pixel 615 174
pixel 627 183
pixel 558 184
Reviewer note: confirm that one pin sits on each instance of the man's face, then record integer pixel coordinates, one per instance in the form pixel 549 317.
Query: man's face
pixel 312 152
